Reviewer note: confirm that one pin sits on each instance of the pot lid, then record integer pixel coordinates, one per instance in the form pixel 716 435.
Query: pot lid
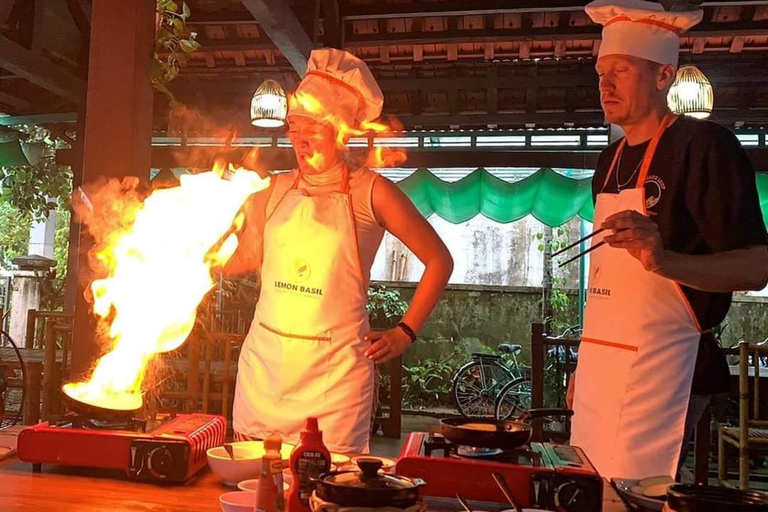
pixel 370 477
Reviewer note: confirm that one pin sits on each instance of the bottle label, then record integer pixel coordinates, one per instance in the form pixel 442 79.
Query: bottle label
pixel 310 465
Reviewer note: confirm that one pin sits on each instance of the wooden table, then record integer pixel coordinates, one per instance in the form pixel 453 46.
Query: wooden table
pixel 61 489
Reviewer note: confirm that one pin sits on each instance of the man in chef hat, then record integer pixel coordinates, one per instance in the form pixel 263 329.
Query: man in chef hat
pixel 678 202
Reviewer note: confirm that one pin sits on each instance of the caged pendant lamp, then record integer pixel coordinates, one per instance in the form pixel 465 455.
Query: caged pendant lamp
pixel 269 105
pixel 691 94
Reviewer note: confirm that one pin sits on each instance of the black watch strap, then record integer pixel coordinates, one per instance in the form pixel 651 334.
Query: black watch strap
pixel 407 330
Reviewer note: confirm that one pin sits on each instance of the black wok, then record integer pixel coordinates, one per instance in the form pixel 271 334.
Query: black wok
pixel 94 411
pixel 496 434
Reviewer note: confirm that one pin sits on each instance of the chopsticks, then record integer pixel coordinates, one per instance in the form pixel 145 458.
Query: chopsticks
pixel 577 242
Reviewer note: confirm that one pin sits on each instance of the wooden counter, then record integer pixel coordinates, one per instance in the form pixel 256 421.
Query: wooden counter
pixel 61 489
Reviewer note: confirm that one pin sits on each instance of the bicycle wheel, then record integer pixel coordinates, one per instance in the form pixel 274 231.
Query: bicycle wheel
pixel 513 399
pixel 476 386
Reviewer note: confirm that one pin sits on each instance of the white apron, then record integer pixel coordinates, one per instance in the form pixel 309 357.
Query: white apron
pixel 303 355
pixel 637 354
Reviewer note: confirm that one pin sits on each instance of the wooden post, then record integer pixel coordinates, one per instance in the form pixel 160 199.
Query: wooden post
pixel 29 342
pixel 118 127
pixel 701 448
pixel 49 372
pixel 34 377
pixel 743 415
pixel 537 377
pixel 193 371
pixel 207 372
pixel 225 382
pixel 393 426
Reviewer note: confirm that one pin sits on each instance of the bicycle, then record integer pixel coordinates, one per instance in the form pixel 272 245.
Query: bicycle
pixel 476 385
pixel 514 398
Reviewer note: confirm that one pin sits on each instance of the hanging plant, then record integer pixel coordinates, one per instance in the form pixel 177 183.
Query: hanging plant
pixel 173 42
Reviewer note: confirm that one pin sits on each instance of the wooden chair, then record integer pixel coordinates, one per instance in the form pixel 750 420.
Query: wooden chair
pixel 751 433
pixel 540 342
pixel 203 373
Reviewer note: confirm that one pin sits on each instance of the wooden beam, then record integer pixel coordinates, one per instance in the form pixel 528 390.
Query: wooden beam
pixel 382 10
pixel 117 132
pixel 282 26
pixel 584 33
pixel 332 24
pixel 14 101
pixel 40 71
pixel 737 44
pixel 70 117
pixel 417 157
pixel 699 45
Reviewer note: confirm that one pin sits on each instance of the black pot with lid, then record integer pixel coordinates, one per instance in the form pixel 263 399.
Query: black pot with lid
pixel 368 487
pixel 698 498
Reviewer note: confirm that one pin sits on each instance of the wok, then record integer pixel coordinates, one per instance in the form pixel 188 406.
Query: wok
pixel 497 434
pixel 94 411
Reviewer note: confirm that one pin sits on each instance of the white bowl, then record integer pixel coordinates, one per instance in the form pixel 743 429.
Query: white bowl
pixel 247 463
pixel 252 485
pixel 237 501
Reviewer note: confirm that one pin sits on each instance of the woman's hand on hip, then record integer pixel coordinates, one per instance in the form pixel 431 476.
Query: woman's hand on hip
pixel 386 345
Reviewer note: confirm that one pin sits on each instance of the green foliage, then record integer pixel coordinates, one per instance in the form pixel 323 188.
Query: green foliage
pixel 31 188
pixel 14 234
pixel 429 382
pixel 384 305
pixel 173 42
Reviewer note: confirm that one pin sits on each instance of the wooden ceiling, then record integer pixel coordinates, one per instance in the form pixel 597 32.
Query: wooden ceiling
pixel 441 63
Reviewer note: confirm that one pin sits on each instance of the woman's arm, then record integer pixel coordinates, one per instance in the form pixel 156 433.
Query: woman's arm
pixel 400 217
pixel 250 249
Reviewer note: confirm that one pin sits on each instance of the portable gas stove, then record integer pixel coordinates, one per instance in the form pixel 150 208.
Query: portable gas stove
pixel 170 449
pixel 541 475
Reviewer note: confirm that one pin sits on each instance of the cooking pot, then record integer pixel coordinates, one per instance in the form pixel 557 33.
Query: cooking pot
pixel 697 498
pixel 368 487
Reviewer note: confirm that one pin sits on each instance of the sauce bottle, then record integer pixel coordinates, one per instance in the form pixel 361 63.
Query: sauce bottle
pixel 309 459
pixel 271 497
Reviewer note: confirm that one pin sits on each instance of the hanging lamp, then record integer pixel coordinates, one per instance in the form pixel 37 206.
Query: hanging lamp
pixel 691 93
pixel 269 105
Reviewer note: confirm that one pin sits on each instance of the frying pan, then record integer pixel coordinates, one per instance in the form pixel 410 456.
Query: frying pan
pixel 94 411
pixel 489 433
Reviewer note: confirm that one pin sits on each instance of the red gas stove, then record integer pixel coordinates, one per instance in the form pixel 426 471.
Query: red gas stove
pixel 541 475
pixel 170 449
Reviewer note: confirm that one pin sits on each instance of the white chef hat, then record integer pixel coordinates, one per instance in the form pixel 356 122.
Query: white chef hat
pixel 337 87
pixel 642 29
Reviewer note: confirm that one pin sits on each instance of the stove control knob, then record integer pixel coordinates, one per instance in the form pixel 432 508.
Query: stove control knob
pixel 160 462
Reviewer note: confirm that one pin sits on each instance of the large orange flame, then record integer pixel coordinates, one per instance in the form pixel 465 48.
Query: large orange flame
pixel 159 270
pixel 377 157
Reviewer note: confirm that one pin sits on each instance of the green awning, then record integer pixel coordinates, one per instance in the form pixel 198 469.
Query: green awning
pixel 11 154
pixel 550 197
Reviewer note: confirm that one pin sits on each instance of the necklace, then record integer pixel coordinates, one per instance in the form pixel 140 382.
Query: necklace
pixel 620 186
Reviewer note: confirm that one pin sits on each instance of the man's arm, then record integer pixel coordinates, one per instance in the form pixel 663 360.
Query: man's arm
pixel 728 271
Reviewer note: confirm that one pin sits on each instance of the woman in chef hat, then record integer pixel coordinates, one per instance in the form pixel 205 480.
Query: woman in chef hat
pixel 309 351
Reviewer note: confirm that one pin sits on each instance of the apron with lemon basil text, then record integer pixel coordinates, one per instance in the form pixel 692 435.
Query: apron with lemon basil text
pixel 637 353
pixel 304 354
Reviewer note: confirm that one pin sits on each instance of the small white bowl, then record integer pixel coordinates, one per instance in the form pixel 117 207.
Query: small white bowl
pixel 247 463
pixel 252 485
pixel 238 501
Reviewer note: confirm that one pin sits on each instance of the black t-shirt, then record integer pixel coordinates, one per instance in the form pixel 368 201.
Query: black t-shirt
pixel 702 193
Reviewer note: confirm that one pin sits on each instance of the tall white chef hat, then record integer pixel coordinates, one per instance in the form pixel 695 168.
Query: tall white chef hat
pixel 642 29
pixel 338 87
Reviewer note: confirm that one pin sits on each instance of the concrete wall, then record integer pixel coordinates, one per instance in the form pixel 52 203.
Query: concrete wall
pixel 467 318
pixel 485 252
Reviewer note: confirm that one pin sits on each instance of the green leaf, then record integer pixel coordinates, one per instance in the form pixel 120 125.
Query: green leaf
pixel 539 236
pixel 172 6
pixel 541 247
pixel 189 46
pixel 178 27
pixel 185 10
